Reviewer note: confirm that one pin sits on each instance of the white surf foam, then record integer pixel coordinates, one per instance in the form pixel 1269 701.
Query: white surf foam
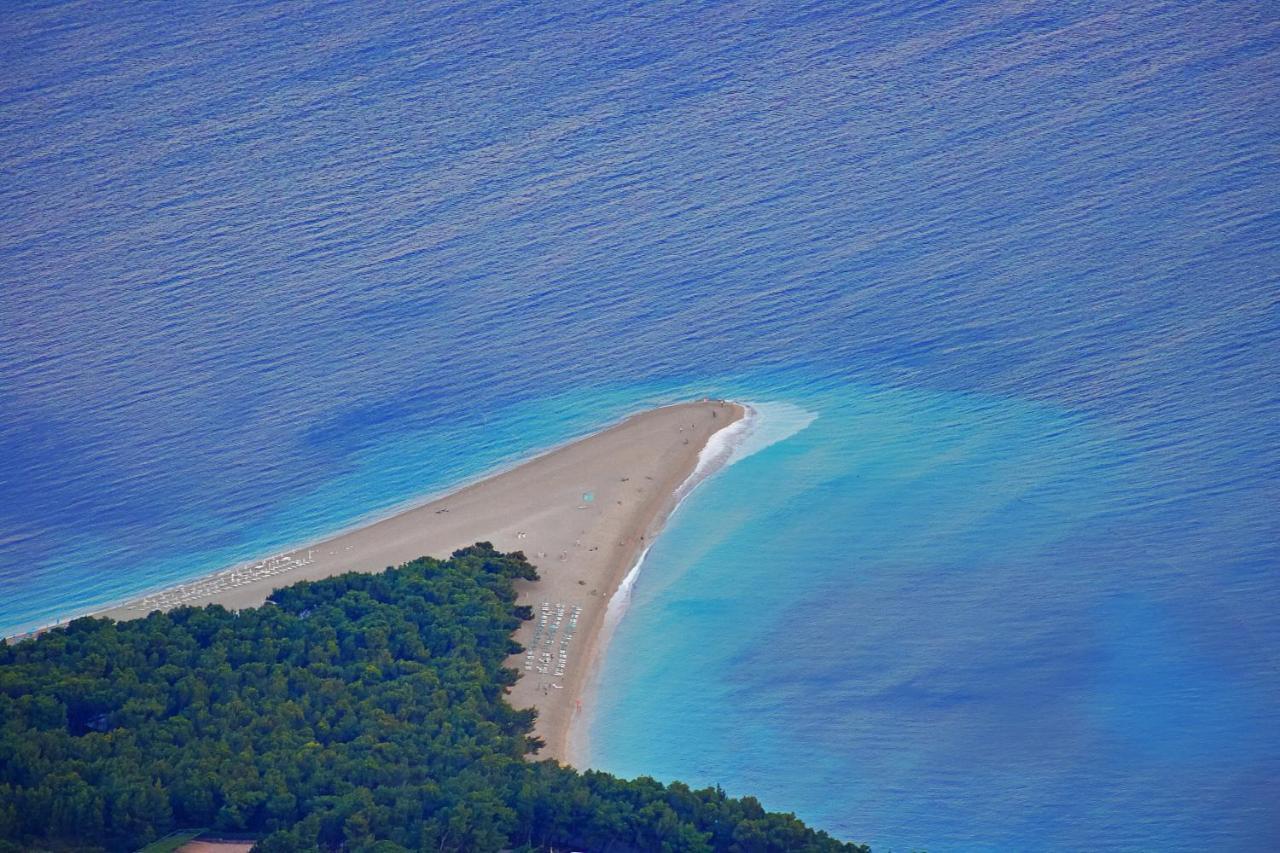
pixel 763 425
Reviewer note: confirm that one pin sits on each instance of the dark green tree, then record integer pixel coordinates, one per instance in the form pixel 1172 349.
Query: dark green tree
pixel 363 712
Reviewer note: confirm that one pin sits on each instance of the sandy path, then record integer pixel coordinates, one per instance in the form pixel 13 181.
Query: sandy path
pixel 582 514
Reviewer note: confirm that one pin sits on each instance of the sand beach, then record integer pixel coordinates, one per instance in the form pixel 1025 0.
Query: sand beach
pixel 582 513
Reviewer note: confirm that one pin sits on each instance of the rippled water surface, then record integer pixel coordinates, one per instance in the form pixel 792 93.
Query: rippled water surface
pixel 269 269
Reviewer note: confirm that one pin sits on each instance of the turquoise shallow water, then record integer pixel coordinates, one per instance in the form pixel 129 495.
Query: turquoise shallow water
pixel 272 269
pixel 898 613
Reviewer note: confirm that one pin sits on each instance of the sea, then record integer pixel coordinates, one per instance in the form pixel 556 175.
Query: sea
pixel 995 567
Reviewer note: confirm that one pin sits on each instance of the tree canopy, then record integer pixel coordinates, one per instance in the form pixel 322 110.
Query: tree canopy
pixel 363 712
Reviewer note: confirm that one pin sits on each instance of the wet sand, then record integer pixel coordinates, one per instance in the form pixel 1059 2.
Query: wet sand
pixel 582 514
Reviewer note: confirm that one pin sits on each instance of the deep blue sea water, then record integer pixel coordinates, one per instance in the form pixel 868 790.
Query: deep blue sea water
pixel 267 269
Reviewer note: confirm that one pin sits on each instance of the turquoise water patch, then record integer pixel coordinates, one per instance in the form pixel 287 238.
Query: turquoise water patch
pixel 880 623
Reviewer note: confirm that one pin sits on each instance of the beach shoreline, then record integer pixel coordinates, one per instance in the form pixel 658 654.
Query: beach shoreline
pixel 583 513
pixel 574 744
pixel 568 743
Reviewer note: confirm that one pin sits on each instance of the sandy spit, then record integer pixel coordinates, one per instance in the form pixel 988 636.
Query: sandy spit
pixel 582 514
